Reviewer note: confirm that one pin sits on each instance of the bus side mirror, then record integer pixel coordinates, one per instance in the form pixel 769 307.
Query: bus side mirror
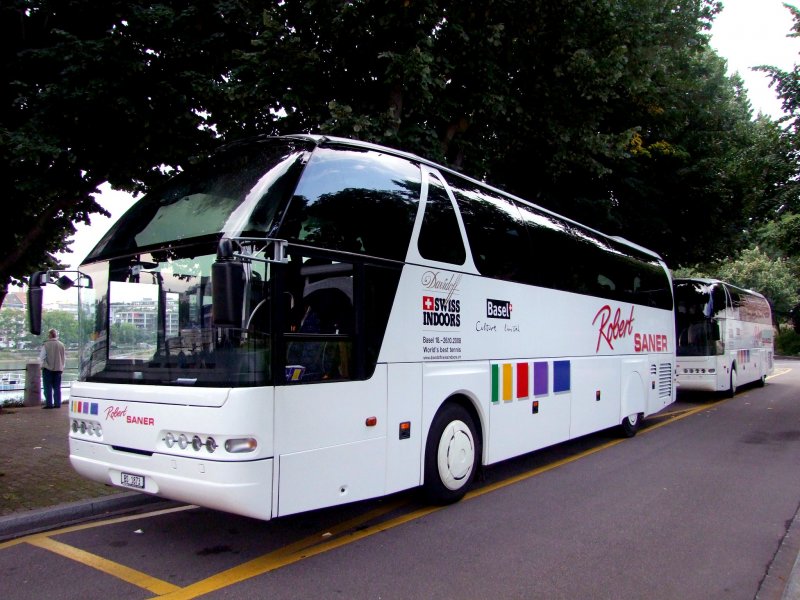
pixel 35 283
pixel 227 287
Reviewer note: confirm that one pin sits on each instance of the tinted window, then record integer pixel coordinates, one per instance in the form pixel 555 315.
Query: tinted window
pixel 495 231
pixel 355 200
pixel 238 191
pixel 568 257
pixel 440 237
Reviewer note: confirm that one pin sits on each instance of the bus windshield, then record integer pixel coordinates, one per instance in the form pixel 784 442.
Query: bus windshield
pixel 239 192
pixel 147 320
pixel 698 308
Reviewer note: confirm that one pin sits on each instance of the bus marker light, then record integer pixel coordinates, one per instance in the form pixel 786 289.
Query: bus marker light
pixel 239 445
pixel 197 443
pixel 371 421
pixel 535 407
pixel 183 441
pixel 169 440
pixel 405 430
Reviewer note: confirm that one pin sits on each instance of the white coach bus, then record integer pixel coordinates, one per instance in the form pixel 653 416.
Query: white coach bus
pixel 725 336
pixel 305 321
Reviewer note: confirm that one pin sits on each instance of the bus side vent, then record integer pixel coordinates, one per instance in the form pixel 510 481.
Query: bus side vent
pixel 664 380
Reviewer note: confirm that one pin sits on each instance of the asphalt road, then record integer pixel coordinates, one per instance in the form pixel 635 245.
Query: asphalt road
pixel 699 505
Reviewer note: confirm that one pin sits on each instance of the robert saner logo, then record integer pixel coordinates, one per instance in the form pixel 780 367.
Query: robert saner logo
pixel 498 309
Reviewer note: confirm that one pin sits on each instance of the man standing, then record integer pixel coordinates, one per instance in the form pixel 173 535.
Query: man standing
pixel 53 359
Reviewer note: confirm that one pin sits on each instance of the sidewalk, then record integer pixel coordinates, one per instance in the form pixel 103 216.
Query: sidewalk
pixel 38 487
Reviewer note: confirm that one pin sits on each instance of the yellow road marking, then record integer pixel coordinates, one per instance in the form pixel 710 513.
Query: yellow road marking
pixel 156 513
pixel 117 570
pixel 307 548
pixel 304 548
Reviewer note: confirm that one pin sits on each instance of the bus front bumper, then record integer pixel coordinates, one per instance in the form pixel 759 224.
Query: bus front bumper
pixel 242 488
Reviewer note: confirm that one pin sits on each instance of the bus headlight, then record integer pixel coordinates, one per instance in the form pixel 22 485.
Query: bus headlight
pixel 197 442
pixel 90 428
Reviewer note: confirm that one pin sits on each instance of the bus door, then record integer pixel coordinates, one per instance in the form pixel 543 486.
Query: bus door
pixel 330 417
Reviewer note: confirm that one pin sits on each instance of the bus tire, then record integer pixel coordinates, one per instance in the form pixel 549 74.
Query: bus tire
pixel 630 424
pixel 762 381
pixel 452 453
pixel 732 389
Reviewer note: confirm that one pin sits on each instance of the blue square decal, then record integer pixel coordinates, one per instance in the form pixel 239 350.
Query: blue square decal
pixel 561 381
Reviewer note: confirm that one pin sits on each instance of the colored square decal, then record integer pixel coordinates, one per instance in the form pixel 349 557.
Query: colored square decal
pixel 561 376
pixel 508 382
pixel 540 380
pixel 522 380
pixel 495 383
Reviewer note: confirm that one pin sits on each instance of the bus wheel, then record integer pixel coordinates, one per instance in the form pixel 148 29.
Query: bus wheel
pixel 630 424
pixel 451 455
pixel 762 381
pixel 732 389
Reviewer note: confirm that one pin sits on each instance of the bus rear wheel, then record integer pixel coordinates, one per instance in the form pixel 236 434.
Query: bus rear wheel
pixel 451 455
pixel 732 389
pixel 630 424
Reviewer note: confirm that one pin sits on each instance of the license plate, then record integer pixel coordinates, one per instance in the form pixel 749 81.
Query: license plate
pixel 134 481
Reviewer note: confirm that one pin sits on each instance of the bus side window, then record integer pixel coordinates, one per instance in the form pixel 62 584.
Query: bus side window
pixel 440 238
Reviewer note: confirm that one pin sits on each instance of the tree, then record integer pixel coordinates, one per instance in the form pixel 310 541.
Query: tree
pixel 787 88
pixel 754 269
pixel 13 326
pixel 613 112
pixel 94 92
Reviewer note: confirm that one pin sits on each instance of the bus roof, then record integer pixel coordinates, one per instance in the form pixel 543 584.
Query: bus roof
pixel 327 140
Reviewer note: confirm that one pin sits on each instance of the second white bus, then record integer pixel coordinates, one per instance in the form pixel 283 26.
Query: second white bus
pixel 725 336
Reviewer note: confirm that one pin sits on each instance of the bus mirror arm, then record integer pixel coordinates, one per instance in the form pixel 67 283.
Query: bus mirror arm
pixel 279 248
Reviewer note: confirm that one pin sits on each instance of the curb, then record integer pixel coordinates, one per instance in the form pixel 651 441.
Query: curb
pixel 36 521
pixel 782 581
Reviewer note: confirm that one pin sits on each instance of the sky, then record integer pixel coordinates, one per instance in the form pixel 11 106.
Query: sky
pixel 746 33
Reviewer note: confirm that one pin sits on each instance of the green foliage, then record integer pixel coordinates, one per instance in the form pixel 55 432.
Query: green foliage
pixel 756 270
pixel 14 328
pixel 787 342
pixel 94 92
pixel 614 112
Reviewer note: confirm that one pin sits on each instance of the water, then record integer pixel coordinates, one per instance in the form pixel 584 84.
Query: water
pixel 12 382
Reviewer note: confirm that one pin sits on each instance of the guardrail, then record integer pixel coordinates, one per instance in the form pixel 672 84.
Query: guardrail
pixel 13 380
